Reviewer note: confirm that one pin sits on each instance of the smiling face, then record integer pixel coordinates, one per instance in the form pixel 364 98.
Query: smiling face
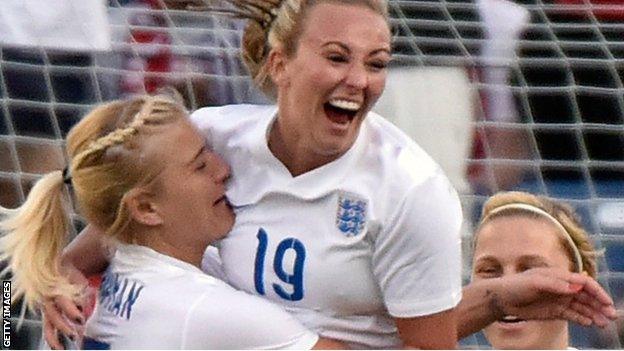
pixel 512 244
pixel 337 73
pixel 190 191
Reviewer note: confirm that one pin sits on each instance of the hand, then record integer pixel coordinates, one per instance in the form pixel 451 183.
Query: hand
pixel 550 293
pixel 62 314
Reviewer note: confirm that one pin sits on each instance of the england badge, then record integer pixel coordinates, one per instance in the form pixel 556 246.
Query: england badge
pixel 351 214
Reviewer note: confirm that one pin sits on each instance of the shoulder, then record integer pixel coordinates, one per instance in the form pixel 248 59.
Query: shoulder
pixel 226 126
pixel 398 153
pixel 177 287
pixel 230 114
pixel 404 169
pixel 402 174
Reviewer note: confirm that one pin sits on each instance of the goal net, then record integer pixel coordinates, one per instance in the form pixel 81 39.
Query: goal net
pixel 530 98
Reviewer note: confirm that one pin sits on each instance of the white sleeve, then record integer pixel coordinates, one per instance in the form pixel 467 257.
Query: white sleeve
pixel 241 321
pixel 417 256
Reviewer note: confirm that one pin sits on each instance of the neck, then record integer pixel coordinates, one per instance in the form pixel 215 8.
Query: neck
pixel 155 239
pixel 293 152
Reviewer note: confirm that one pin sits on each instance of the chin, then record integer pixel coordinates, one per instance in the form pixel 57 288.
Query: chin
pixel 506 344
pixel 225 226
pixel 535 335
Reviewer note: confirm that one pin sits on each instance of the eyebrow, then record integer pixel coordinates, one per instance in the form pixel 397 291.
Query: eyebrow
pixel 486 259
pixel 535 260
pixel 386 50
pixel 531 259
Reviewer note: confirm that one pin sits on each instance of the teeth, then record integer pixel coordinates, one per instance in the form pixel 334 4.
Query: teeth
pixel 510 318
pixel 345 104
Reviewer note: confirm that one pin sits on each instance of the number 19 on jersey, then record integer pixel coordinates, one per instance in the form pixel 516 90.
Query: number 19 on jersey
pixel 294 279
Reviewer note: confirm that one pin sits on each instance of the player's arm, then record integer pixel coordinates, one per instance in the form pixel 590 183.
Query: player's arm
pixel 478 307
pixel 539 293
pixel 87 252
pixel 436 331
pixel 417 262
pixel 86 255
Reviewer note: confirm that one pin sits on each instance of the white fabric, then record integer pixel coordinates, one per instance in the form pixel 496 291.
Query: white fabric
pixel 416 99
pixel 58 24
pixel 405 260
pixel 503 22
pixel 151 301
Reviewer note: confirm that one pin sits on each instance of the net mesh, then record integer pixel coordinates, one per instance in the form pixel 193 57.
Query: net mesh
pixel 566 82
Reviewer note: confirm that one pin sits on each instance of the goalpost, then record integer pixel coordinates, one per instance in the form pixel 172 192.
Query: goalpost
pixel 560 79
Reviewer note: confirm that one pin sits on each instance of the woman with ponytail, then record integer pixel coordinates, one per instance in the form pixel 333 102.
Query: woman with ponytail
pixel 341 217
pixel 158 208
pixel 39 226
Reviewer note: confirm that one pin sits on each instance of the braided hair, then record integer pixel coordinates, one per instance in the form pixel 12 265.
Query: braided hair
pixel 107 161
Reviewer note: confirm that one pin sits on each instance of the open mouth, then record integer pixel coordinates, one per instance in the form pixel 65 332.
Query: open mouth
pixel 511 320
pixel 341 111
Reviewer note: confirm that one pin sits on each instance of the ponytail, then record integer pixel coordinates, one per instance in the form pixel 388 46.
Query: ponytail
pixel 33 237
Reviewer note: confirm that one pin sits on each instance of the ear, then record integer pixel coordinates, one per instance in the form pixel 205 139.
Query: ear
pixel 142 208
pixel 277 65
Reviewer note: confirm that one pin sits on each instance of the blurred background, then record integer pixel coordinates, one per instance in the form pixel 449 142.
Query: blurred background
pixel 525 95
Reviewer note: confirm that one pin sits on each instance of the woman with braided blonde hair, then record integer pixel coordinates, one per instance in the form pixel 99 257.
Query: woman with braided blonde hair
pixel 341 218
pixel 519 231
pixel 159 208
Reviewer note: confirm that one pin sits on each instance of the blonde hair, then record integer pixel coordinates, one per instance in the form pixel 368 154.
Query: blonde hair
pixel 273 23
pixel 105 149
pixel 512 203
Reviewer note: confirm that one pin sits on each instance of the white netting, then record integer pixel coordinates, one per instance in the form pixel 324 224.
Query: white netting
pixel 566 138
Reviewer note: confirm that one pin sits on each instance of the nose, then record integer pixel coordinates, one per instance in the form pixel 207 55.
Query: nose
pixel 221 170
pixel 507 270
pixel 357 76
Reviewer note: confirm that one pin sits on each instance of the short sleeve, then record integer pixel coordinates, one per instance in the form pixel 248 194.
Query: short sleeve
pixel 237 320
pixel 417 255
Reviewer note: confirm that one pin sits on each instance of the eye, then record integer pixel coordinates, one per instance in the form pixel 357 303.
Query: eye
pixel 378 65
pixel 201 166
pixel 526 266
pixel 487 272
pixel 338 58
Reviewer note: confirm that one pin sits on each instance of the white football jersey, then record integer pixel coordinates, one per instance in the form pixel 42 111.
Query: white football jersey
pixel 148 300
pixel 347 246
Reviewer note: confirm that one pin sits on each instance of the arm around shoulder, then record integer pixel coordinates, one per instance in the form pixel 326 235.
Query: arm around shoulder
pixel 479 307
pixel 87 252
